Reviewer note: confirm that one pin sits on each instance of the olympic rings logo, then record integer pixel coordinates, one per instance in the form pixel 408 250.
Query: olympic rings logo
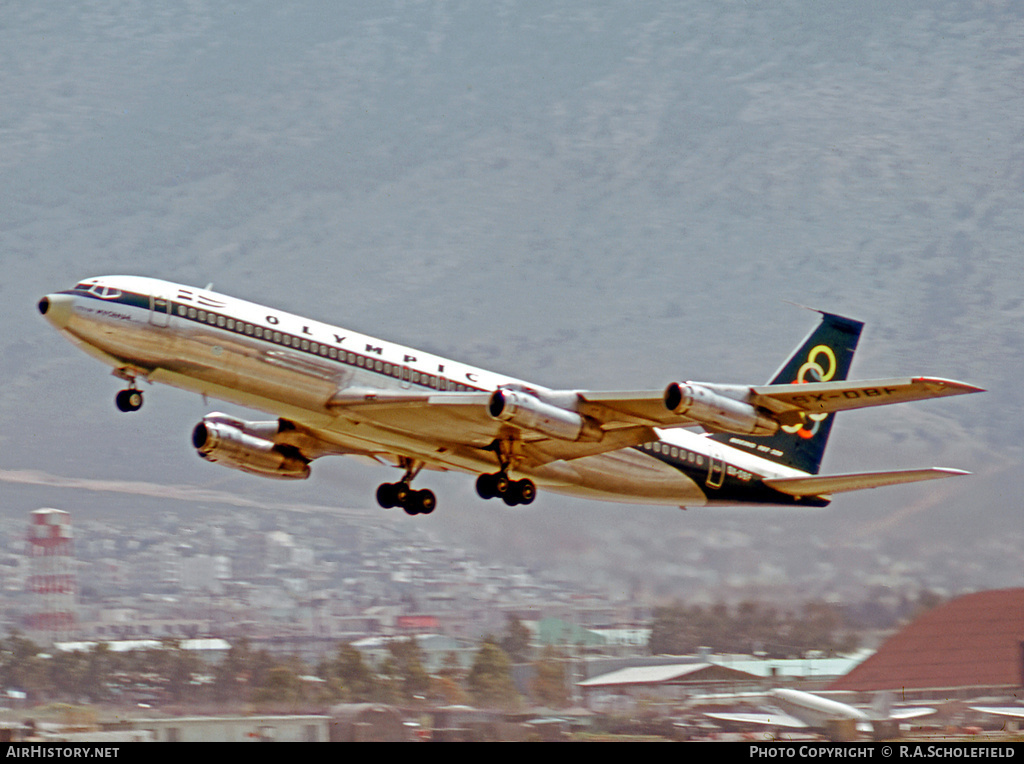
pixel 814 370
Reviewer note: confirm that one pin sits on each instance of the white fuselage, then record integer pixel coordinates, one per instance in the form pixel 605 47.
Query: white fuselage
pixel 300 369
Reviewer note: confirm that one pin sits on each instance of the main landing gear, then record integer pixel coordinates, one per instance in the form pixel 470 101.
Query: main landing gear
pixel 499 484
pixel 512 492
pixel 401 494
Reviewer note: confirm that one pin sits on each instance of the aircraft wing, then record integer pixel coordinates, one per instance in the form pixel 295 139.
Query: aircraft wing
pixel 1012 712
pixel 566 425
pixel 445 416
pixel 460 418
pixel 817 485
pixel 910 713
pixel 742 409
pixel 829 397
pixel 777 719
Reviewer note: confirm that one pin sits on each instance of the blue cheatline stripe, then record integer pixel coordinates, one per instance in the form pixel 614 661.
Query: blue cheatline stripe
pixel 276 337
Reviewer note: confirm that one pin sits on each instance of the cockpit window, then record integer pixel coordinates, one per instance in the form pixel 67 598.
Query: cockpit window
pixel 104 292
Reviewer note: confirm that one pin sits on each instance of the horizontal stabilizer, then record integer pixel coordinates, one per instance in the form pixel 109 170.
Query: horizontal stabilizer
pixel 817 485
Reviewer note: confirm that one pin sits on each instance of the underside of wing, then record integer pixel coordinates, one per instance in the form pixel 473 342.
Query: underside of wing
pixel 791 401
pixel 817 485
pixel 442 416
pixel 1012 712
pixel 568 424
pixel 646 407
pixel 911 713
pixel 472 419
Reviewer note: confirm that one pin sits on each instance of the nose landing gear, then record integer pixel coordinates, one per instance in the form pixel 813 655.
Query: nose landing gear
pixel 129 400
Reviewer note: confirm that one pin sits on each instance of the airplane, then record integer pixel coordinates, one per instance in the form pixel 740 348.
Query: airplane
pixel 799 710
pixel 334 391
pixel 1010 712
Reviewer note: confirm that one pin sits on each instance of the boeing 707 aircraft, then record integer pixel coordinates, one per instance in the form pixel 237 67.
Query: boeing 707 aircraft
pixel 791 709
pixel 335 391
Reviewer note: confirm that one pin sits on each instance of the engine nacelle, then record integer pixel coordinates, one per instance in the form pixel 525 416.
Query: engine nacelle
pixel 245 446
pixel 530 413
pixel 717 412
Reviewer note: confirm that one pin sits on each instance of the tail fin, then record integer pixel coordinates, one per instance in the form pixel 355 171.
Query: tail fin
pixel 824 356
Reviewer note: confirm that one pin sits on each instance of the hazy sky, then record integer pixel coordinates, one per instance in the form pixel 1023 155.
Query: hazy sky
pixel 586 194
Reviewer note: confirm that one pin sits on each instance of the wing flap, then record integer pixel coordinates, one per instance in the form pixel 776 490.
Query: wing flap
pixel 817 485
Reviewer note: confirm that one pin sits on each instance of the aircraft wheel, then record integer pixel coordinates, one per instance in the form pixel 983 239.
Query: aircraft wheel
pixel 501 484
pixel 486 486
pixel 402 493
pixel 527 491
pixel 129 400
pixel 520 492
pixel 427 501
pixel 387 495
pixel 419 502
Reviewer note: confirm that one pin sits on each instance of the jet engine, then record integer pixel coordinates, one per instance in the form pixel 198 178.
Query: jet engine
pixel 247 446
pixel 717 412
pixel 530 413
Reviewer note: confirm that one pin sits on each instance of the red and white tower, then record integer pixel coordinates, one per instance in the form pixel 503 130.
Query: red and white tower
pixel 51 578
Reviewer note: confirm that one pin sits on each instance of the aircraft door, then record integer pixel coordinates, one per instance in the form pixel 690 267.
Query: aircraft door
pixel 716 470
pixel 159 310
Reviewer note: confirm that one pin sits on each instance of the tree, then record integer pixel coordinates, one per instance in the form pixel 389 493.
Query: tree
pixel 412 678
pixel 349 671
pixel 21 666
pixel 672 631
pixel 446 685
pixel 490 678
pixel 516 641
pixel 179 667
pixel 550 686
pixel 231 675
pixel 282 685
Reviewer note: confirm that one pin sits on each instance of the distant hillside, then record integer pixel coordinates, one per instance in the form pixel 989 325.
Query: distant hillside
pixel 588 195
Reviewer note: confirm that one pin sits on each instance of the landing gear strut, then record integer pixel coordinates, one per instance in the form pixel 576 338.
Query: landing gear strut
pixel 401 494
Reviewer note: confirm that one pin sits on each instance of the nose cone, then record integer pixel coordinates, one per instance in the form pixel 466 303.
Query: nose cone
pixel 57 309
